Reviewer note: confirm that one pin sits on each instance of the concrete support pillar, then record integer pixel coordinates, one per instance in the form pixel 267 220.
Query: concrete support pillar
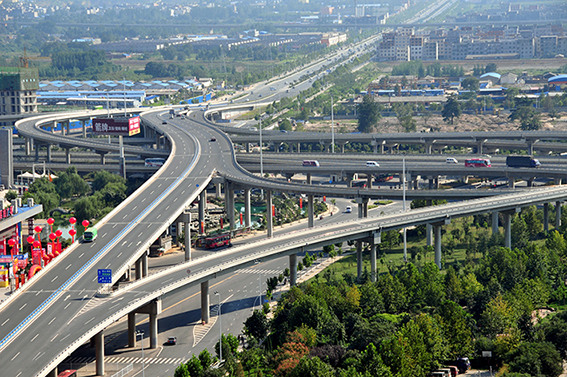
pixel 369 180
pixel 247 147
pixel 48 152
pixel 144 259
pixel 247 209
pixel 37 153
pixel 495 222
pixel 229 200
pixel 436 183
pixel 218 190
pixel 205 302
pixel 437 228
pixel 103 158
pixel 374 148
pixel 530 147
pixel 187 227
pixel 349 179
pixel 479 147
pixel 68 125
pixel 68 155
pixel 431 183
pixel 99 353
pixel 298 147
pixel 362 207
pixel 269 214
pixel 359 259
pixel 84 124
pixel 558 214
pixel 153 331
pixel 382 148
pixel 202 205
pixel 429 234
pixel 428 148
pixel 138 268
pixel 507 229
pixel 365 209
pixel 360 211
pixel 308 179
pixel 343 148
pixel 293 270
pixel 53 127
pixel 53 373
pixel 546 217
pixel 132 330
pixel 28 146
pixel 558 181
pixel 157 141
pixel 373 272
pixel 511 182
pixel 310 211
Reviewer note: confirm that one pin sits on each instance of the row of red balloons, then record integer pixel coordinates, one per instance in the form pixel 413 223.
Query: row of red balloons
pixel 52 236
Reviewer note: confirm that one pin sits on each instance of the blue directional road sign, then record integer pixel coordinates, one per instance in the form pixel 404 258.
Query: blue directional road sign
pixel 104 276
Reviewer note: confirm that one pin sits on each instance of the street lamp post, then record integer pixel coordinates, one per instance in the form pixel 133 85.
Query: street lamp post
pixel 332 127
pixel 404 200
pixel 220 328
pixel 259 285
pixel 141 333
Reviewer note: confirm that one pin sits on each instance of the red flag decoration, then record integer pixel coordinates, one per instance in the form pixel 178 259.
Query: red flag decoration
pixel 202 227
pixel 324 198
pixel 273 210
pixel 221 221
pixel 300 203
pixel 241 219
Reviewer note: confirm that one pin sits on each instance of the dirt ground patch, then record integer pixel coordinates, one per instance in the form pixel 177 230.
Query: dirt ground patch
pixel 467 122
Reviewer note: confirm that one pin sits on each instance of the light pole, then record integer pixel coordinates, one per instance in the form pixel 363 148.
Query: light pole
pixel 141 333
pixel 257 262
pixel 404 200
pixel 220 328
pixel 332 127
pixel 261 157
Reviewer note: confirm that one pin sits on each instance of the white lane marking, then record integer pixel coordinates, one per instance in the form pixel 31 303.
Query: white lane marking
pixel 140 234
pixel 152 192
pixel 134 208
pixel 37 356
pixel 82 255
pixel 66 268
pixel 50 322
pixel 104 235
pixel 62 339
pixel 124 216
pixel 114 226
pixel 3 323
pixel 67 306
pixel 175 199
pixel 52 339
pixel 108 265
pixel 143 200
pixel 66 298
pixel 23 306
pixel 92 245
pixel 89 320
pixel 16 355
pixel 19 374
pixel 118 256
pixel 36 335
pixel 55 278
pixel 39 292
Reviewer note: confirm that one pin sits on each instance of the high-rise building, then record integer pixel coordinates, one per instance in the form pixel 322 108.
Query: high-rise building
pixel 18 88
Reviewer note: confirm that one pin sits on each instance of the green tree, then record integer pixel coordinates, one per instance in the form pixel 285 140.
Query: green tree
pixel 257 325
pixel 182 371
pixel 312 366
pixel 44 193
pixel 456 329
pixel 11 195
pixel 103 177
pixel 536 359
pixel 470 83
pixel 285 125
pixel 368 114
pixel 529 119
pixel 405 117
pixel 451 110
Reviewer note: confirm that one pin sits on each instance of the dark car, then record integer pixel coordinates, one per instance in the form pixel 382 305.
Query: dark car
pixel 463 364
pixel 213 139
pixel 171 341
pixel 164 122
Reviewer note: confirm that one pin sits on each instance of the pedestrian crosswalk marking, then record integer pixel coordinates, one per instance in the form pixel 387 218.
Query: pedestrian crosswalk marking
pixel 257 271
pixel 126 360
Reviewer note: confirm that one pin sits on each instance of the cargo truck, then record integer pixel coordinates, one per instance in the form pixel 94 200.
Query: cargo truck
pixel 522 162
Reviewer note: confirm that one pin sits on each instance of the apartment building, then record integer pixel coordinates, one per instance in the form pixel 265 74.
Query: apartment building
pixel 18 90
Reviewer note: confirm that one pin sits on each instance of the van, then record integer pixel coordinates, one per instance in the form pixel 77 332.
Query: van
pixel 311 163
pixel 451 160
pixel 372 164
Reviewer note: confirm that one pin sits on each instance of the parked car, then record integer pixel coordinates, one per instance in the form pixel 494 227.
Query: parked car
pixel 463 364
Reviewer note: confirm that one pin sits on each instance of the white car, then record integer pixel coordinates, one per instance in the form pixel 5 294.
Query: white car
pixel 372 164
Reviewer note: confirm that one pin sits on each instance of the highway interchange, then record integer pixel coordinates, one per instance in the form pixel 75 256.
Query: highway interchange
pixel 59 310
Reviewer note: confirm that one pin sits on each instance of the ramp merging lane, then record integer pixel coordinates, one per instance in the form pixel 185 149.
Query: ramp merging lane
pixel 60 310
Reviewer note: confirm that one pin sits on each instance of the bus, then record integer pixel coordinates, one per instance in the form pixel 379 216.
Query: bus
pixel 68 373
pixel 311 163
pixel 218 240
pixel 90 234
pixel 155 162
pixel 477 163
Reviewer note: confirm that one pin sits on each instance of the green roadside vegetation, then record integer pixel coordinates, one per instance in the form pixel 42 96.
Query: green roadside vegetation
pixel 416 318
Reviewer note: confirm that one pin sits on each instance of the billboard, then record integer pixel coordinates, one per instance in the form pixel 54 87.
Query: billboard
pixel 116 127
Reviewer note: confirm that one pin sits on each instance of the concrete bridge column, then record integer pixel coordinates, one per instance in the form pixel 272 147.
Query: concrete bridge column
pixel 99 353
pixel 558 214
pixel 102 158
pixel 530 182
pixel 530 144
pixel 28 146
pixel 428 148
pixel 359 259
pixel 48 152
pixel 132 330
pixel 298 147
pixel 511 182
pixel 342 145
pixel 437 228
pixel 53 373
pixel 157 140
pixel 436 183
pixel 293 270
pixel 373 241
pixel 507 229
pixel 494 222
pixel 369 178
pixel 479 147
pixel 202 206
pixel 144 259
pixel 308 179
pixel 229 202
pixel 84 124
pixel 218 190
pixel 382 148
pixel 430 182
pixel 546 217
pixel 247 209
pixel 362 207
pixel 205 315
pixel 415 184
pixel 68 155
pixel 154 309
pixel 187 227
pixel 138 268
pixel 37 153
pixel 269 214
pixel 53 127
pixel 349 179
pixel 558 181
pixel 247 147
pixel 68 126
pixel 374 147
pixel 465 179
pixel 310 210
pixel 429 234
